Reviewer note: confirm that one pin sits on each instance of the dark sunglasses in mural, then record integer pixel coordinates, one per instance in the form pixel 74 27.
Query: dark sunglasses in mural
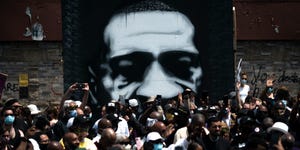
pixel 134 66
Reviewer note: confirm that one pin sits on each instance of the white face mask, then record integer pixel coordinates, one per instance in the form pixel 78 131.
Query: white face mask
pixel 151 122
pixel 149 40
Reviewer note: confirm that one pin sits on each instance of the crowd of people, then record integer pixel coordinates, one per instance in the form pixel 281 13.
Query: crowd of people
pixel 237 122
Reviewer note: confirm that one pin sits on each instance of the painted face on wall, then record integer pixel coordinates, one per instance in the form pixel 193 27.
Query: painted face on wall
pixel 151 53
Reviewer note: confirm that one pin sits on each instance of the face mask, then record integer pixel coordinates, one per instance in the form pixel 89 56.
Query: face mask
pixel 284 102
pixel 270 90
pixel 73 113
pixel 9 120
pixel 43 146
pixel 150 122
pixel 89 116
pixel 158 146
pixel 244 81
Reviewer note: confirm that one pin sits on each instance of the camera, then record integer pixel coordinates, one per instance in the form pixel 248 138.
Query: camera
pixel 80 86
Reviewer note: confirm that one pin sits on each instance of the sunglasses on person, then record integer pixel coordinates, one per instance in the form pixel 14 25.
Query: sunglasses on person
pixel 5 115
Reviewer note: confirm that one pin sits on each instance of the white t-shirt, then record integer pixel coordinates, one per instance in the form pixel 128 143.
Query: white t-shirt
pixel 244 92
pixel 122 130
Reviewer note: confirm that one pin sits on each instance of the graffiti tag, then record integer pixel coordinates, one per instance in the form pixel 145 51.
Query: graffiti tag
pixel 14 87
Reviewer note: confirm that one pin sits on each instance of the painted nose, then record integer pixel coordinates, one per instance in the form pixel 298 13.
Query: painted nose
pixel 158 82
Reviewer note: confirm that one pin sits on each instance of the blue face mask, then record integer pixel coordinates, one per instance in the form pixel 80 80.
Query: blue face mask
pixel 269 90
pixel 284 102
pixel 158 146
pixel 244 81
pixel 73 113
pixel 9 120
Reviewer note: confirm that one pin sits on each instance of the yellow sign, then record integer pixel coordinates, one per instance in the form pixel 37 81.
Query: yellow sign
pixel 23 80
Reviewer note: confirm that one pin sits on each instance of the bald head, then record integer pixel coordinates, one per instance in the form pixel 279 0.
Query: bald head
pixel 268 122
pixel 108 137
pixel 54 145
pixel 158 127
pixel 71 140
pixel 103 124
pixel 156 115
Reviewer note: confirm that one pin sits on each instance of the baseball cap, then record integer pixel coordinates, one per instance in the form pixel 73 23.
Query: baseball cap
pixel 12 102
pixel 153 136
pixel 133 102
pixel 33 109
pixel 279 126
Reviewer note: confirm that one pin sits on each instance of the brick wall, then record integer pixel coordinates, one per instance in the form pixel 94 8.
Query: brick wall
pixel 277 59
pixel 42 61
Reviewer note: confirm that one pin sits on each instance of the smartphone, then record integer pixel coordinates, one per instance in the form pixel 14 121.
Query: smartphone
pixel 158 100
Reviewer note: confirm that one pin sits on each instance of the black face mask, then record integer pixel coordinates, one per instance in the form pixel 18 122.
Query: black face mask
pixel 70 147
pixel 43 146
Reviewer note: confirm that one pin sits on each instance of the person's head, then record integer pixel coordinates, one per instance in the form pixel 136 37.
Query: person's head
pixel 156 115
pixel 88 112
pixel 103 110
pixel 282 93
pixel 133 104
pixel 194 146
pixel 279 108
pixel 214 126
pixel 155 139
pixel 288 141
pixel 42 123
pixel 54 145
pixel 262 113
pixel 114 119
pixel 276 131
pixel 244 78
pixel 196 126
pixel 108 137
pixel 6 135
pixel 146 59
pixel 52 113
pixel 34 110
pixel 15 104
pixel 43 141
pixel 80 126
pixel 70 140
pixel 159 127
pixel 103 124
pixel 8 116
pixel 267 122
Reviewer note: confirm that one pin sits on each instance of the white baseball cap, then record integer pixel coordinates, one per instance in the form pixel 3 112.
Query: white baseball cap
pixel 33 109
pixel 153 136
pixel 279 126
pixel 133 102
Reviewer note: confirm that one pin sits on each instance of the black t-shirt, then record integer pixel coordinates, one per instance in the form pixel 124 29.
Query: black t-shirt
pixel 220 144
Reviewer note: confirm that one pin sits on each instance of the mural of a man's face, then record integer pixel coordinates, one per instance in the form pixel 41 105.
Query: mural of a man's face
pixel 151 53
